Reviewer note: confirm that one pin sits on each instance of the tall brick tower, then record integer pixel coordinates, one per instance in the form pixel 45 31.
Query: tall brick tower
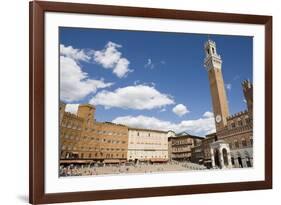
pixel 212 63
pixel 248 94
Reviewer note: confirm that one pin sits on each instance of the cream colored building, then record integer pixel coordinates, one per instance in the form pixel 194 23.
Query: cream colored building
pixel 147 145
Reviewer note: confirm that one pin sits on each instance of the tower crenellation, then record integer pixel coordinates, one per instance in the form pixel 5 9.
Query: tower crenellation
pixel 248 94
pixel 212 58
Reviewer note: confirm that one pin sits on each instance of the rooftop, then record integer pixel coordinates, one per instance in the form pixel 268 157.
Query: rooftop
pixel 149 130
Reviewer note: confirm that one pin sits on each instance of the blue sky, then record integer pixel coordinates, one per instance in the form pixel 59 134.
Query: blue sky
pixel 154 72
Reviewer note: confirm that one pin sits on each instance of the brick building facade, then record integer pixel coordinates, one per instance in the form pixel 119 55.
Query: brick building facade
pixel 82 138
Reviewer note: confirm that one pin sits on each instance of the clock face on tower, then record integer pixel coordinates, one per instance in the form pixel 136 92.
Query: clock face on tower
pixel 218 118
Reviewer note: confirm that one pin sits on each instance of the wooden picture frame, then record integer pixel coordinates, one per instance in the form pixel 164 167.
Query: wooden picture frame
pixel 37 104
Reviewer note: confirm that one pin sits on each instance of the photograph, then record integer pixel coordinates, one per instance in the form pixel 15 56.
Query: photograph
pixel 146 102
pixel 132 102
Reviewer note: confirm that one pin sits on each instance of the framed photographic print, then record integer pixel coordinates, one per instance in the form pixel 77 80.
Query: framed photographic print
pixel 140 102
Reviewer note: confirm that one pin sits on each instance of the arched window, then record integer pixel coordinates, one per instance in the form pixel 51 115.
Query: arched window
pixel 225 157
pixel 240 122
pixel 232 161
pixel 247 120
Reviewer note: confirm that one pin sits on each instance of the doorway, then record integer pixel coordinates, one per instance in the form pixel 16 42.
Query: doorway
pixel 217 158
pixel 240 162
pixel 225 157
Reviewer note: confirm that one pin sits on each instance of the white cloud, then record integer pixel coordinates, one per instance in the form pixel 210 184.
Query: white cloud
pixel 75 54
pixel 137 97
pixel 121 68
pixel 111 58
pixel 72 108
pixel 228 86
pixel 149 64
pixel 201 126
pixel 74 83
pixel 208 114
pixel 180 110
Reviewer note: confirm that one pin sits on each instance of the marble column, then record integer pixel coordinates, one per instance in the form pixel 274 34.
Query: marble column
pixel 229 160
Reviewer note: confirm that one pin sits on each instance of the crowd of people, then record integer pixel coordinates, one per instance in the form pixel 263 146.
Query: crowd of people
pixel 102 169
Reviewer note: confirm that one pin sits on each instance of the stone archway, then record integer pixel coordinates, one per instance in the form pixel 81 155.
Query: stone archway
pixel 248 160
pixel 220 155
pixel 225 157
pixel 232 159
pixel 217 158
pixel 240 162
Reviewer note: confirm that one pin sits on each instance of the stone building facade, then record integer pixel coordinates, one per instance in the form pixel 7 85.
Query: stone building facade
pixel 239 135
pixel 180 146
pixel 234 147
pixel 206 149
pixel 197 154
pixel 147 145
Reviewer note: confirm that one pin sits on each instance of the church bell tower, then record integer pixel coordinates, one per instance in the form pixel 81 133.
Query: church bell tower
pixel 212 63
